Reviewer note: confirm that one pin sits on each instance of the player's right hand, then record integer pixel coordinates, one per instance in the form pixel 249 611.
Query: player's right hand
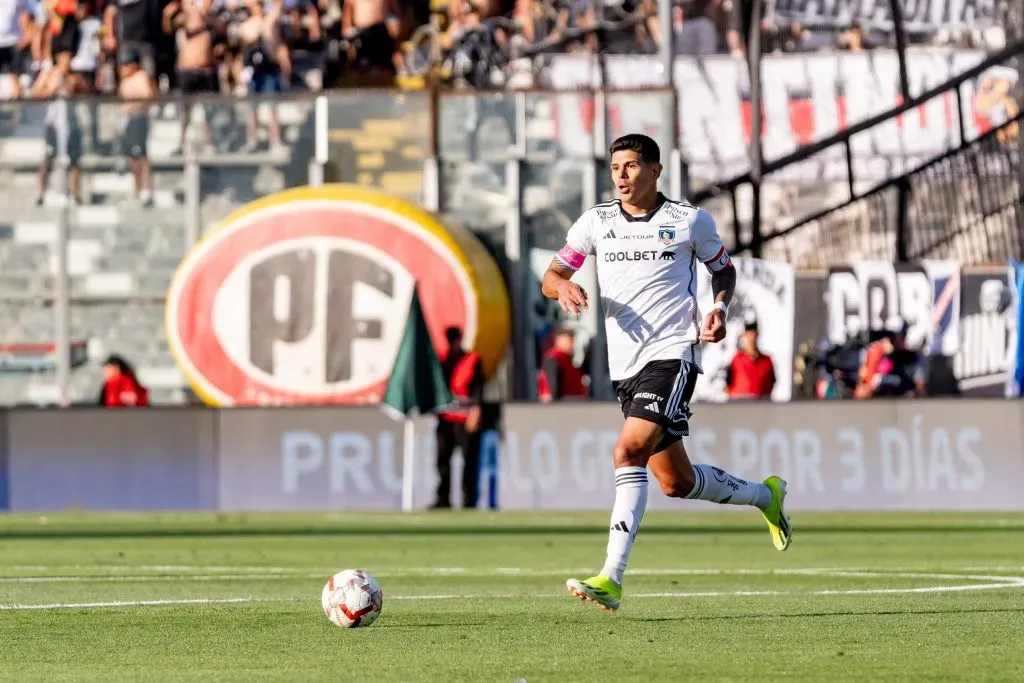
pixel 572 298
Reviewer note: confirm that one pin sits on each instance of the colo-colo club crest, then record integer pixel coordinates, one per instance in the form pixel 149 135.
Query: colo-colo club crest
pixel 302 297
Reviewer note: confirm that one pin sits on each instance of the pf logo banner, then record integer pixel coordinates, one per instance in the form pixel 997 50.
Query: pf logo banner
pixel 877 295
pixel 302 297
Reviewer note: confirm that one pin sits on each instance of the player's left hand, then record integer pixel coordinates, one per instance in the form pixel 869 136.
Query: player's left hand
pixel 714 327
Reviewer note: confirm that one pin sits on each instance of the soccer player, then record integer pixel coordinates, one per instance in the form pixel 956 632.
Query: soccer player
pixel 647 247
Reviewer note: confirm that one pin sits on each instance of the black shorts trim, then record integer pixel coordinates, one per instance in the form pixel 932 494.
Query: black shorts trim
pixel 661 393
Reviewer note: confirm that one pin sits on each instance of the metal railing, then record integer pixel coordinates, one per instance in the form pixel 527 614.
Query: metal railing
pixel 755 242
pixel 965 205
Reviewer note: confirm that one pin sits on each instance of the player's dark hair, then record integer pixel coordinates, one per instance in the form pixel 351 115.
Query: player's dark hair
pixel 646 147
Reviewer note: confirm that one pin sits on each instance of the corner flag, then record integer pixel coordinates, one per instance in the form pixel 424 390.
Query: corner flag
pixel 416 386
pixel 417 383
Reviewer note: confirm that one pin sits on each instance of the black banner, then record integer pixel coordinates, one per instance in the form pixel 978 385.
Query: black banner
pixel 965 316
pixel 918 15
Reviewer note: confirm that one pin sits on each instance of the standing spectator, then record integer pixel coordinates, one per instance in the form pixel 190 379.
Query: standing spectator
pixel 188 21
pixel 15 36
pixel 86 62
pixel 121 388
pixel 695 34
pixel 559 378
pixel 460 426
pixel 781 37
pixel 267 65
pixel 62 131
pixel 138 85
pixel 304 39
pixel 853 39
pixel 371 27
pixel 751 374
pixel 134 25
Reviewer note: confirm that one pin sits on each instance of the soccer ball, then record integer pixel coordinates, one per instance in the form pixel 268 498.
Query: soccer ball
pixel 352 598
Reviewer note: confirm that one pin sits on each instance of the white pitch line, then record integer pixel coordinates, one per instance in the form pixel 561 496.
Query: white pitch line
pixel 487 571
pixel 130 603
pixel 99 578
pixel 996 583
pixel 284 573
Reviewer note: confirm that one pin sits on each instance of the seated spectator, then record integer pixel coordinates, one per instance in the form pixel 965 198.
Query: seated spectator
pixel 121 388
pixel 751 373
pixel 891 369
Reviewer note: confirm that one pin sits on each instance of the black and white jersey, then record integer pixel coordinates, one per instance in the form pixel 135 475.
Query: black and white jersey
pixel 647 274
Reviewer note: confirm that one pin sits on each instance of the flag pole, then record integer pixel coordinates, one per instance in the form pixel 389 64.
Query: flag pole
pixel 408 463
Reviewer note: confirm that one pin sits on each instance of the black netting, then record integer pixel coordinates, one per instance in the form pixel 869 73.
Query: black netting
pixel 965 205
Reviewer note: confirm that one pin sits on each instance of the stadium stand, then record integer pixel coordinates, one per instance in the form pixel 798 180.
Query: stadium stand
pixel 122 253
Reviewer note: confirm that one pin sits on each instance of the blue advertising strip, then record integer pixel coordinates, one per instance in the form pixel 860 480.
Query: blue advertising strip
pixel 97 459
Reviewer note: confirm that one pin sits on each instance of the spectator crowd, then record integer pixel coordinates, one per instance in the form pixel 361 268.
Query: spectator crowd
pixel 269 46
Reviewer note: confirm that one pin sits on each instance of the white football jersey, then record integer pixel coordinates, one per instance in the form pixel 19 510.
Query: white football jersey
pixel 647 274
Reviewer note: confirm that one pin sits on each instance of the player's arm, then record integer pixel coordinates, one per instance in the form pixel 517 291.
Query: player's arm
pixel 557 283
pixel 711 251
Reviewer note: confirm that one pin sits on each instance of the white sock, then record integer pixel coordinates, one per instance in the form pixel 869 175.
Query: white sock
pixel 719 486
pixel 630 503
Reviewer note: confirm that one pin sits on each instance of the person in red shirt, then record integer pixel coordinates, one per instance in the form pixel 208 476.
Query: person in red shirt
pixel 121 389
pixel 751 374
pixel 559 378
pixel 460 426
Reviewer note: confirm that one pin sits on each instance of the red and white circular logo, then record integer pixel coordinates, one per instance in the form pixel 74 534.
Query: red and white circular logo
pixel 303 297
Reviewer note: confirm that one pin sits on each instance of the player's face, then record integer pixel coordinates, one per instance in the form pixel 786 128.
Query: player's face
pixel 634 178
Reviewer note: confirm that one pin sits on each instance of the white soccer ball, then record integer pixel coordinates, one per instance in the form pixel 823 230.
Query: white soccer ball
pixel 352 598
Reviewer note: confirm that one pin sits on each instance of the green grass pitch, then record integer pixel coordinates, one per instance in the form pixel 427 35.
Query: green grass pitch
pixel 479 596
